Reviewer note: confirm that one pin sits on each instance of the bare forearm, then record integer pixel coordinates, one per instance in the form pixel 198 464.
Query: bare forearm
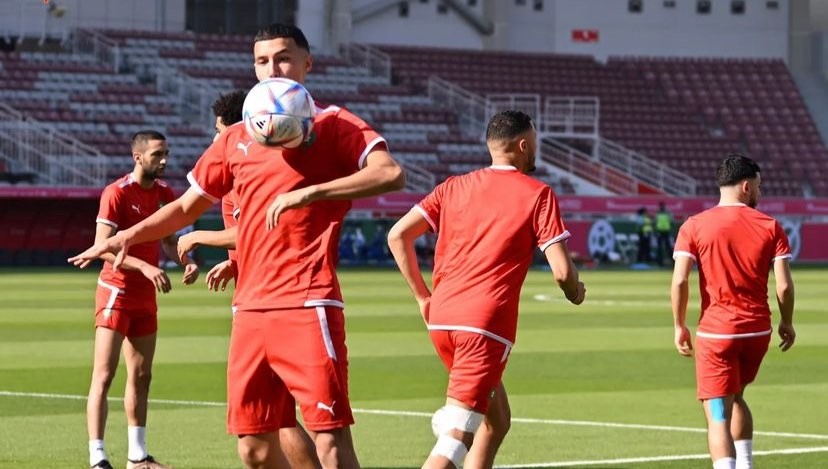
pixel 364 183
pixel 406 258
pixel 166 221
pixel 225 239
pixel 170 248
pixel 130 263
pixel 568 281
pixel 784 289
pixel 785 299
pixel 679 296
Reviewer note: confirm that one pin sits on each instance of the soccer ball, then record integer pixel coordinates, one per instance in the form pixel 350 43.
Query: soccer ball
pixel 279 112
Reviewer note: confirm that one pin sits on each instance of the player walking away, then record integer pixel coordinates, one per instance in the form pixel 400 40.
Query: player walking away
pixel 295 443
pixel 125 306
pixel 288 331
pixel 734 246
pixel 488 223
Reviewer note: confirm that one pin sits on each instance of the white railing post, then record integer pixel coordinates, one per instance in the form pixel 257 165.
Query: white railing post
pixel 57 157
pixel 470 108
pixel 529 103
pixel 375 60
pixel 571 116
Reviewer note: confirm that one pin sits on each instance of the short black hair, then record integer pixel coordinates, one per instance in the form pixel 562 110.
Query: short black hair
pixel 508 125
pixel 735 168
pixel 229 107
pixel 141 138
pixel 277 30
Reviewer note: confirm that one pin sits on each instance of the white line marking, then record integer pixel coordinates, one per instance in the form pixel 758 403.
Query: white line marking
pixel 407 413
pixel 685 457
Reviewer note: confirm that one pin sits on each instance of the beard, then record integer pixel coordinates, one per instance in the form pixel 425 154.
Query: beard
pixel 153 174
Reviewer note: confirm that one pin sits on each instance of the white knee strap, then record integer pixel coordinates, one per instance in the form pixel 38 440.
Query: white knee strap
pixel 450 417
pixel 450 448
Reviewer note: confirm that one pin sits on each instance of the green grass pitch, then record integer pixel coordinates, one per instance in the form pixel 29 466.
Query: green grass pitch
pixel 598 385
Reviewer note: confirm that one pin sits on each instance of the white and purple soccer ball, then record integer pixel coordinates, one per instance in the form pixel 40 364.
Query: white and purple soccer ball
pixel 279 112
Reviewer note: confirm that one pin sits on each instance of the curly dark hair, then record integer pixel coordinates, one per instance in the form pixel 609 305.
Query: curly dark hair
pixel 735 168
pixel 229 107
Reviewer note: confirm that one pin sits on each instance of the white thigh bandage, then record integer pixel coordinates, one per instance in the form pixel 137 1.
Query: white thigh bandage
pixel 451 417
pixel 452 449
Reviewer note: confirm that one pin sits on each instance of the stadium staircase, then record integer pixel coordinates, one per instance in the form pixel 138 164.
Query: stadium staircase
pixel 50 156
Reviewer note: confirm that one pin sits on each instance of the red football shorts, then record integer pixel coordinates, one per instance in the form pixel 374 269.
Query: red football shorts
pixel 726 366
pixel 475 364
pixel 282 355
pixel 130 314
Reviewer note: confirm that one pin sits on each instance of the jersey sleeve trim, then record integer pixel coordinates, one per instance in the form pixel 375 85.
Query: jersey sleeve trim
pixel 783 256
pixel 198 188
pixel 106 222
pixel 422 212
pixel 236 214
pixel 368 149
pixel 684 254
pixel 557 239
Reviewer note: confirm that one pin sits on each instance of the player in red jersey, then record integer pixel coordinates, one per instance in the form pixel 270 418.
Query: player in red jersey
pixel 228 111
pixel 488 224
pixel 288 331
pixel 125 306
pixel 734 246
pixel 295 443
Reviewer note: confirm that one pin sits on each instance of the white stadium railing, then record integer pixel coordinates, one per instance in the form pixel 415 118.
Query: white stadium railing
pixel 57 158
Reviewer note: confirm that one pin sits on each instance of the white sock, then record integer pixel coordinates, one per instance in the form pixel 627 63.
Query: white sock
pixel 96 452
pixel 724 463
pixel 744 454
pixel 137 437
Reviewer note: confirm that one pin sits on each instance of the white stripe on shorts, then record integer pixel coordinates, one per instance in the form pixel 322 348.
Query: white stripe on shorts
pixel 326 332
pixel 113 295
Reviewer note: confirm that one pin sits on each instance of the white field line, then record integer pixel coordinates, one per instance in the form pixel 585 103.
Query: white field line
pixel 405 413
pixel 684 457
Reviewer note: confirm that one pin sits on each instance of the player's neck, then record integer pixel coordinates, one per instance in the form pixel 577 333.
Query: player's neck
pixel 731 200
pixel 507 160
pixel 143 181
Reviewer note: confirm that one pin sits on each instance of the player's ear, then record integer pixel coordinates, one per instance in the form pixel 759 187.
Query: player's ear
pixel 523 145
pixel 308 63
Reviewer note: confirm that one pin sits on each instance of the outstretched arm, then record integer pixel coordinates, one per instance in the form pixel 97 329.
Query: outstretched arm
pixel 565 272
pixel 167 220
pixel 379 175
pixel 785 299
pixel 679 295
pixel 401 243
pixel 157 276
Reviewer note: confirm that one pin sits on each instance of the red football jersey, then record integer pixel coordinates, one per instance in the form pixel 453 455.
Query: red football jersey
pixel 125 203
pixel 488 224
pixel 292 265
pixel 734 247
pixel 230 212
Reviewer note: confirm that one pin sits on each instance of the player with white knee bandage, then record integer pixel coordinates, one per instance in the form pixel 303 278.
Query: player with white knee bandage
pixel 483 252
